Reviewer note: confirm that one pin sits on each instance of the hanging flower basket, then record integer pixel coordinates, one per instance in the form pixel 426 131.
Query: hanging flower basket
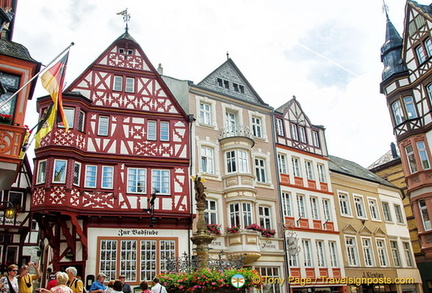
pixel 214 229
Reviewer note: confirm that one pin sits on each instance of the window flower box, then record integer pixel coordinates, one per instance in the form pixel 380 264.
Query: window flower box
pixel 233 229
pixel 268 232
pixel 5 119
pixel 255 227
pixel 213 229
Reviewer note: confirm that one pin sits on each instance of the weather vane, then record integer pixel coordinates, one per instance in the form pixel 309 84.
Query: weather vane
pixel 385 8
pixel 126 17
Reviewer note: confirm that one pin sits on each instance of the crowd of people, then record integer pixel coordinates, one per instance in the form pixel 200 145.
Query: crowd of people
pixel 67 282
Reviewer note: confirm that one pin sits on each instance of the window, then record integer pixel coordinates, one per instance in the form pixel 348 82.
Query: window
pixel 399 214
pixel 164 131
pixel 207 165
pixel 205 114
pixel 76 173
pixel 161 181
pixel 219 82
pixel 232 162
pixel 91 176
pixel 411 159
pixel 279 127
pixel 367 252
pixel 301 206
pixel 264 217
pixel 373 208
pixel 118 83
pixel 314 208
pixel 395 253
pixel 240 214
pixel 260 170
pixel 107 177
pixel 243 161
pixel 70 117
pixel 424 50
pixel 333 254
pixel 344 204
pixel 103 125
pixel 386 211
pixel 408 254
pixel 410 107
pixel 293 260
pixel 397 112
pixel 274 273
pixel 137 180
pixel 351 249
pixel 320 253
pixel 130 85
pixel 41 172
pixel 309 170
pixel 60 169
pixel 230 123
pixel 359 206
pixel 282 164
pixel 424 214
pixel 210 213
pixel 286 204
pixel 307 255
pixel 302 132
pixel 11 84
pixel 423 155
pixel 16 198
pixel 257 127
pixel 429 91
pixel 226 84
pixel 294 132
pixel 296 166
pixel 315 137
pixel 151 130
pixel 81 121
pixel 321 173
pixel 382 254
pixel 327 209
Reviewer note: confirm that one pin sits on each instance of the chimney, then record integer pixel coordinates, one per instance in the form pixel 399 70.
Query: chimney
pixel 394 151
pixel 160 69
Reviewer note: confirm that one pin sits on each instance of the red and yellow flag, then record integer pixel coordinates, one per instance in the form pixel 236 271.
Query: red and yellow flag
pixel 52 81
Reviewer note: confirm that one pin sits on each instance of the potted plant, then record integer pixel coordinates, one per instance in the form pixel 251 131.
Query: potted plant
pixel 268 232
pixel 233 229
pixel 214 229
pixel 255 227
pixel 5 119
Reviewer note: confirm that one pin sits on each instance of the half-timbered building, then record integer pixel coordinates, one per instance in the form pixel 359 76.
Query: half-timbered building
pixel 112 193
pixel 407 85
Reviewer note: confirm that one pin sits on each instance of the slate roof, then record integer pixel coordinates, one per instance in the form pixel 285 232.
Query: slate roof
pixel 350 168
pixel 425 8
pixel 15 50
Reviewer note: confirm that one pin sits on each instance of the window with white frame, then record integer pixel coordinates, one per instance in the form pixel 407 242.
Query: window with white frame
pixel 301 206
pixel 265 217
pixel 293 260
pixel 399 214
pixel 130 85
pixel 282 164
pixel 302 134
pixel 296 166
pixel 41 172
pixel 76 173
pixel 398 114
pixel 118 83
pixel 315 137
pixel 344 204
pixel 309 170
pixel 103 125
pixel 320 253
pixel 151 130
pixel 260 170
pixel 307 252
pixel 294 132
pixel 240 214
pixel 243 161
pixel 257 127
pixel 394 247
pixel 205 113
pixel 164 131
pixel 59 172
pixel 333 254
pixel 373 208
pixel 279 127
pixel 207 160
pixel 423 51
pixel 321 173
pixel 274 273
pixel 137 180
pixel 90 176
pixel 107 177
pixel 382 252
pixel 81 121
pixel 368 252
pixel 424 215
pixel 210 213
pixel 386 211
pixel 422 152
pixel 429 91
pixel 410 107
pixel 286 204
pixel 359 206
pixel 408 254
pixel 351 249
pixel 411 159
pixel 236 158
pixel 70 117
pixel 314 208
pixel 161 181
pixel 327 209
pixel 231 161
pixel 231 123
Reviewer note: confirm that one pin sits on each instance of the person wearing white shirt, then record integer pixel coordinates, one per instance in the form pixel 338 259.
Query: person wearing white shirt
pixel 158 288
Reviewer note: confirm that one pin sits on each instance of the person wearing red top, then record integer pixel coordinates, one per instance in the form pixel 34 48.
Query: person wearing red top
pixel 52 282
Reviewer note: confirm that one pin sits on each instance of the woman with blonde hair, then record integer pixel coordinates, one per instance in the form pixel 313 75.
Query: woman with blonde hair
pixel 62 279
pixel 9 283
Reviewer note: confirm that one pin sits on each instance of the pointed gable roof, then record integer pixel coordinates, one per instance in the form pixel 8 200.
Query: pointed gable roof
pixel 293 109
pixel 228 80
pixel 365 231
pixel 349 229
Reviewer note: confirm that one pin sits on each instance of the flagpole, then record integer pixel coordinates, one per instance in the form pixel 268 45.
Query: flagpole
pixel 36 75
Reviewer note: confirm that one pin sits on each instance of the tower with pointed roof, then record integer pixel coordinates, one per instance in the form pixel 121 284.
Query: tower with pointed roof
pixel 407 85
pixel 112 194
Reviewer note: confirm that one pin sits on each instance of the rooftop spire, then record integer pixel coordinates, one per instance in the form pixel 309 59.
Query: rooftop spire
pixel 126 17
pixel 385 9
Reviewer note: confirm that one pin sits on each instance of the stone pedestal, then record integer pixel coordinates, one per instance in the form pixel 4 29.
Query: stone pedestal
pixel 201 239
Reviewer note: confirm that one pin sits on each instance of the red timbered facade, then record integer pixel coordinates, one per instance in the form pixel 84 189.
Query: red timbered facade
pixel 112 193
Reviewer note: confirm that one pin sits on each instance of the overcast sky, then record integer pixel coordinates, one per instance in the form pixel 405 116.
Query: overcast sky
pixel 326 53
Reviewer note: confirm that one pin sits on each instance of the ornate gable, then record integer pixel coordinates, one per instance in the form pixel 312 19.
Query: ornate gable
pixel 293 111
pixel 228 80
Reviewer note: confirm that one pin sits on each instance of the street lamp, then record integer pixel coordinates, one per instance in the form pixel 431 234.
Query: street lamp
pixel 10 210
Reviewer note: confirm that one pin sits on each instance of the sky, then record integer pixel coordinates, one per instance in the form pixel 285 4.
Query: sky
pixel 326 53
